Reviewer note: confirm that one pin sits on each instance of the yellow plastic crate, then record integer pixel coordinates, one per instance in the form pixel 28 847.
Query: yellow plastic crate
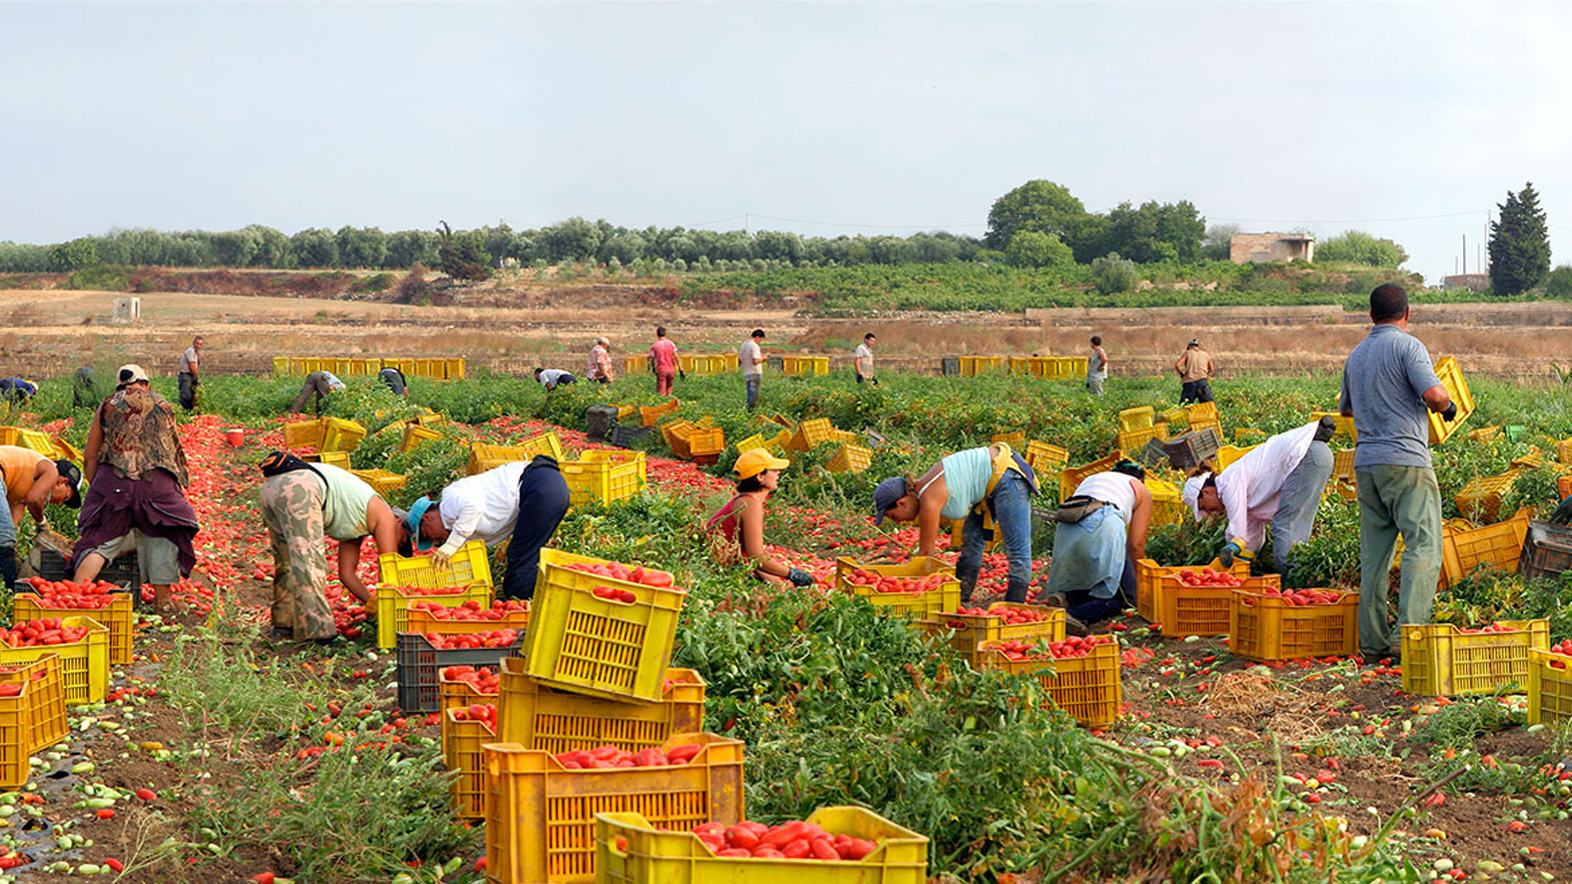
pixel 537 717
pixel 1135 419
pixel 1168 506
pixel 1133 442
pixel 1343 464
pixel 282 366
pixel 382 481
pixel 540 816
pixel 969 633
pixel 1441 660
pixel 1480 499
pixel 919 605
pixel 1549 687
pixel 1191 610
pixel 1496 545
pixel 844 436
pixel 673 431
pixel 415 435
pixel 484 456
pixel 393 608
pixel 470 566
pixel 1086 688
pixel 604 476
pixel 1484 434
pixel 340 435
pixel 431 419
pixel 1018 365
pixel 810 435
pixel 435 369
pixel 303 434
pixel 546 443
pixel 1229 454
pixel 1533 460
pixel 32 720
pixel 36 440
pixel 1452 379
pixel 1564 451
pixel 1070 477
pixel 705 442
pixel 65 449
pixel 1016 440
pixel 454 368
pixel 1178 416
pixel 677 857
pixel 461 749
pixel 84 664
pixel 650 416
pixel 752 442
pixel 338 459
pixel 850 458
pixel 1345 425
pixel 635 364
pixel 118 617
pixel 589 645
pixel 1267 629
pixel 1044 458
pixel 1202 413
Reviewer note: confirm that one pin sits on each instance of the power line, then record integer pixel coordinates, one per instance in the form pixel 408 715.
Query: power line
pixel 751 215
pixel 1349 220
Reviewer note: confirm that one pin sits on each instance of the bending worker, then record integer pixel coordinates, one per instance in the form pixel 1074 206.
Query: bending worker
pixel 520 502
pixel 303 504
pixel 1280 481
pixel 992 481
pixel 319 382
pixel 1101 532
pixel 739 525
pixel 31 482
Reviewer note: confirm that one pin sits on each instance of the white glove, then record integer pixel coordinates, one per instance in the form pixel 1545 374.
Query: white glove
pixel 441 558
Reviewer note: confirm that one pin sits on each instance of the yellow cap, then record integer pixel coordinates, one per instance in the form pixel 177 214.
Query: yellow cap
pixel 755 461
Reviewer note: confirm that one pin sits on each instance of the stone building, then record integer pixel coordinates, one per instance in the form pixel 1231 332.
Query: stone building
pixel 1258 248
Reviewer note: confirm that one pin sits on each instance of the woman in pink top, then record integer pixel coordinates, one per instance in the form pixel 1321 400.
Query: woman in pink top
pixel 663 361
pixel 600 362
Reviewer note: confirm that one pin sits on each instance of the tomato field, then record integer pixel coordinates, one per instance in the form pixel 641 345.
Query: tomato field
pixel 220 754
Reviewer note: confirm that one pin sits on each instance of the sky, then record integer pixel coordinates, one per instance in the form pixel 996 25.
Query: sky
pixel 1409 121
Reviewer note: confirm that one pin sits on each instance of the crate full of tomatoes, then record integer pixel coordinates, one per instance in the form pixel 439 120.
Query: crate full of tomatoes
pixel 1187 601
pixel 428 617
pixel 922 588
pixel 109 603
pixel 1443 660
pixel 969 629
pixel 1274 625
pixel 81 642
pixel 1079 674
pixel 420 657
pixel 1550 683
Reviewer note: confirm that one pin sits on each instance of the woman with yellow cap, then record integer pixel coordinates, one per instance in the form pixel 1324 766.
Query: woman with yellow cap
pixel 739 525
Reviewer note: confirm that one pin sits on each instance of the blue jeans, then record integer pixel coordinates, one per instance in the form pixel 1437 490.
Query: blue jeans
pixel 7 527
pixel 1011 505
pixel 543 501
pixel 752 381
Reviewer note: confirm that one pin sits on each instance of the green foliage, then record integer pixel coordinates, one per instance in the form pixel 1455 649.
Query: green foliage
pixel 1519 243
pixel 74 255
pixel 1113 274
pixel 1358 247
pixel 1039 205
pixel 1032 248
pixel 1331 556
pixel 1150 233
pixel 462 255
pixel 377 282
pixel 102 278
pixel 1559 282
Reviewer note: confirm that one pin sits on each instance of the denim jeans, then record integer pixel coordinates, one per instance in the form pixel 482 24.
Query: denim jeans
pixel 7 527
pixel 1088 608
pixel 543 501
pixel 1011 505
pixel 1298 501
pixel 1396 500
pixel 753 389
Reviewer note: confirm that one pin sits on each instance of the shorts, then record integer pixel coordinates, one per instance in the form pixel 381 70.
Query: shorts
pixel 158 557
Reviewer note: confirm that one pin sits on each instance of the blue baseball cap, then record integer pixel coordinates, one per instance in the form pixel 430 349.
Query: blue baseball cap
pixel 885 495
pixel 412 519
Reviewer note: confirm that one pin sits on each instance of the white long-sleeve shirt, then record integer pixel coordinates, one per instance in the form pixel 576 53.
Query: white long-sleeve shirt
pixel 482 507
pixel 1251 486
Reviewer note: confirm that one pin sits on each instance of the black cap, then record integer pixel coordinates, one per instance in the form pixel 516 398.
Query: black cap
pixel 72 474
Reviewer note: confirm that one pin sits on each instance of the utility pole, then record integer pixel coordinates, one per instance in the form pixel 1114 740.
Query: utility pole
pixel 1465 253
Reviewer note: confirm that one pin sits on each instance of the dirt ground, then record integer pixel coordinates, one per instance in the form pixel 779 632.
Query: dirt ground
pixel 555 327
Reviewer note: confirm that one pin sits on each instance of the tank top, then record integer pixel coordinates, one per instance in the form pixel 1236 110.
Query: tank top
pixel 966 474
pixel 344 503
pixel 19 465
pixel 1111 488
pixel 139 435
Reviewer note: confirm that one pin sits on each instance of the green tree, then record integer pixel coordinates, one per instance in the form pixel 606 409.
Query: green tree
pixel 1219 241
pixel 1519 243
pixel 1559 282
pixel 314 247
pixel 407 247
pixel 74 255
pixel 1033 248
pixel 1155 232
pixel 361 246
pixel 1358 247
pixel 1038 205
pixel 462 255
pixel 1113 274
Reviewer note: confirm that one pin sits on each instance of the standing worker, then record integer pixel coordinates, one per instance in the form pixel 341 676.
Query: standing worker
pixel 968 485
pixel 319 382
pixel 1389 389
pixel 32 481
pixel 1096 367
pixel 663 361
pixel 1100 535
pixel 395 381
pixel 1279 481
pixel 521 503
pixel 136 479
pixel 750 358
pixel 302 505
pixel 189 375
pixel 1195 370
pixel 864 359
pixel 600 362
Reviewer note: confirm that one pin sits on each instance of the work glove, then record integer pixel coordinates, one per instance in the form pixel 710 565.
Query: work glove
pixel 682 374
pixel 799 577
pixel 43 525
pixel 1326 429
pixel 1450 414
pixel 1563 513
pixel 1227 553
pixel 440 559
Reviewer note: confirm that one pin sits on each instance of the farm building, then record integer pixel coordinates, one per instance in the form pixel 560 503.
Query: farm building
pixel 1258 248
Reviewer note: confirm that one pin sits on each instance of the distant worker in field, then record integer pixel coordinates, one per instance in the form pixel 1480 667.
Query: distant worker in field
pixel 84 389
pixel 304 504
pixel 1390 389
pixel 1195 372
pixel 552 378
pixel 189 375
pixel 750 359
pixel 663 361
pixel 519 502
pixel 1096 367
pixel 600 362
pixel 319 382
pixel 1101 533
pixel 395 381
pixel 18 391
pixel 1279 482
pixel 32 481
pixel 737 529
pixel 969 485
pixel 863 362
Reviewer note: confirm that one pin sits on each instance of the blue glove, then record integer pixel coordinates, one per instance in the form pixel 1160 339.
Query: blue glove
pixel 1563 513
pixel 1226 555
pixel 799 577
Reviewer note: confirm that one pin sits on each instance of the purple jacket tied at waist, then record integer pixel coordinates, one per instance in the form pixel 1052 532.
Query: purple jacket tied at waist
pixel 153 505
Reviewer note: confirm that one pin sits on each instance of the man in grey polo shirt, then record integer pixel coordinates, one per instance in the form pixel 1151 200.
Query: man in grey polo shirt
pixel 1389 386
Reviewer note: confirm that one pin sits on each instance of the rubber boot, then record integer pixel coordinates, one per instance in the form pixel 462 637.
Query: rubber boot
pixel 1015 590
pixel 8 566
pixel 968 579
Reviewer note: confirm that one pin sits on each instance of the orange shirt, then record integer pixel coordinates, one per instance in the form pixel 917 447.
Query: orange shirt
pixel 19 464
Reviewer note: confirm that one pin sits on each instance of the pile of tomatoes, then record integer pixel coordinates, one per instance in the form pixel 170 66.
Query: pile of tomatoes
pixel 791 840
pixel 881 583
pixel 498 638
pixel 425 590
pixel 1072 646
pixel 485 713
pixel 1564 648
pixel 610 593
pixel 483 680
pixel 608 757
pixel 1010 616
pixel 1208 578
pixel 72 595
pixel 1491 629
pixel 34 633
pixel 636 574
pixel 1304 597
pixel 473 610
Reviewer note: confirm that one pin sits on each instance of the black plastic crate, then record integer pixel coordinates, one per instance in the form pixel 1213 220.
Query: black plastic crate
pixel 626 437
pixel 1189 451
pixel 1547 551
pixel 950 366
pixel 418 664
pixel 125 570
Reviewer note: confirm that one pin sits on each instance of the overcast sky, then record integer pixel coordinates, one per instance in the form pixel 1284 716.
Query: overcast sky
pixel 1409 121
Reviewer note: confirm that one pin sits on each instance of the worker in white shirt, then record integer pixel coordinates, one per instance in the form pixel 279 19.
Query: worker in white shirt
pixel 1280 482
pixel 520 502
pixel 864 359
